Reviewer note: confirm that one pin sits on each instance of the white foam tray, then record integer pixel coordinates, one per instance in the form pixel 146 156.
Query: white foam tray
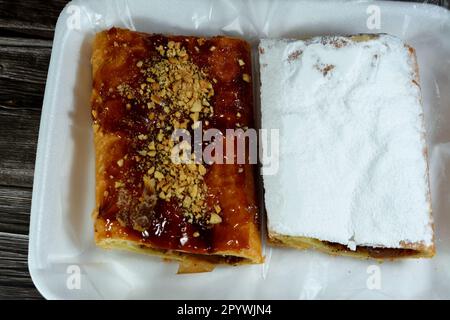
pixel 61 232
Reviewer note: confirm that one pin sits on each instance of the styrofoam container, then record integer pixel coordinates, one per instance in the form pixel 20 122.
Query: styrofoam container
pixel 65 263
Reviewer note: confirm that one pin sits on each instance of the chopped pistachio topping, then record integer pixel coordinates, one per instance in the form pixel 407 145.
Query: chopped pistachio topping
pixel 176 94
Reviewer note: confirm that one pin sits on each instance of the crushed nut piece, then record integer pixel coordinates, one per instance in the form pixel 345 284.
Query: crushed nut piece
pixel 176 94
pixel 159 175
pixel 187 201
pixel 149 183
pixel 196 106
pixel 118 184
pixel 142 137
pixel 215 219
pixel 201 169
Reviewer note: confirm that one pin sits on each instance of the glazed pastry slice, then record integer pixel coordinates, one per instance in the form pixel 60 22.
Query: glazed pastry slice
pixel 144 87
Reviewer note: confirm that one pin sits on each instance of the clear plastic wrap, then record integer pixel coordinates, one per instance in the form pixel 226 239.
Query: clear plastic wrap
pixel 63 259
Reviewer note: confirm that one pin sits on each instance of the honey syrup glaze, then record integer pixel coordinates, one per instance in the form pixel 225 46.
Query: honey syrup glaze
pixel 227 65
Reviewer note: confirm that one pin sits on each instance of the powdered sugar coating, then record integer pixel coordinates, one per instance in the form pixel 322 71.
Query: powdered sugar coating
pixel 352 167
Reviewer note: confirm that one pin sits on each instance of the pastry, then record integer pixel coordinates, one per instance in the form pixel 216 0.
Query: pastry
pixel 353 173
pixel 145 86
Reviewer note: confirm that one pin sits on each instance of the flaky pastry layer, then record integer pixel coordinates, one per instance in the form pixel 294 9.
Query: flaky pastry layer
pixel 144 86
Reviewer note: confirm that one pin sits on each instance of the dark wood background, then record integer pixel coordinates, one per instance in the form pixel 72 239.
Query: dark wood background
pixel 26 33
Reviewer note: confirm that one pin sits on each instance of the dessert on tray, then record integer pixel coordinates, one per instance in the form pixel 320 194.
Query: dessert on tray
pixel 353 174
pixel 144 87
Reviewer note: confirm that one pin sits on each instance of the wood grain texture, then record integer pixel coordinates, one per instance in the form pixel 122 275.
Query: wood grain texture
pixel 15 206
pixel 30 18
pixel 18 139
pixel 23 72
pixel 15 282
pixel 26 29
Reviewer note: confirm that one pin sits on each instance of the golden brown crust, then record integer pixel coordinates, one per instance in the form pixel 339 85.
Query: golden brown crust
pixel 361 252
pixel 122 58
pixel 431 250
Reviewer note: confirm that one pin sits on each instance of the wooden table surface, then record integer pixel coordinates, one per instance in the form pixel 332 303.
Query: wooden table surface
pixel 26 33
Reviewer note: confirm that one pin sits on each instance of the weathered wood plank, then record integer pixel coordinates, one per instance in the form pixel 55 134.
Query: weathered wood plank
pixel 18 139
pixel 15 281
pixel 23 71
pixel 15 205
pixel 35 18
pixel 25 42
